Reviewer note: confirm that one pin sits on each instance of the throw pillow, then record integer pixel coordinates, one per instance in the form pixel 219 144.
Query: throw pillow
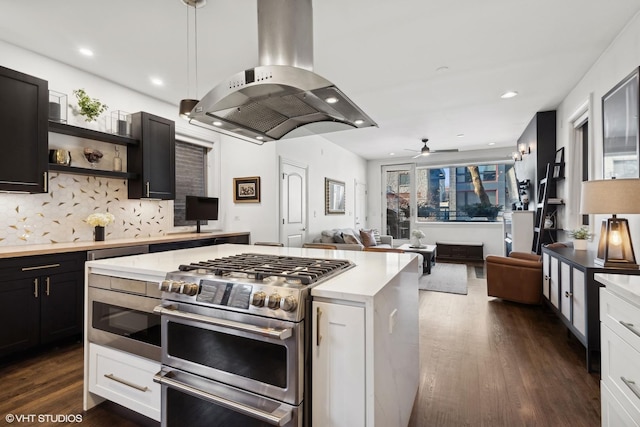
pixel 376 235
pixel 337 238
pixel 327 236
pixel 350 238
pixel 367 238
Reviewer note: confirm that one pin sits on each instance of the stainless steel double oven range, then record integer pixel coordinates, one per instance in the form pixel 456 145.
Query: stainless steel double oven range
pixel 235 340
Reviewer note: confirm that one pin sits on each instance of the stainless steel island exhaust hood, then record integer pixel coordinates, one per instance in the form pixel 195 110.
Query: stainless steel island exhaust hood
pixel 282 96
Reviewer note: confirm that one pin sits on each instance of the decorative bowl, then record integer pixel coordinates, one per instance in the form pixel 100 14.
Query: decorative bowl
pixel 93 156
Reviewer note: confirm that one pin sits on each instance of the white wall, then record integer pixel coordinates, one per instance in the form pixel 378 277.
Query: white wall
pixel 240 159
pixel 619 60
pixel 27 219
pixel 228 157
pixel 325 160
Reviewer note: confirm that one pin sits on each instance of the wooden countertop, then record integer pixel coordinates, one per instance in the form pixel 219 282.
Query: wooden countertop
pixel 56 248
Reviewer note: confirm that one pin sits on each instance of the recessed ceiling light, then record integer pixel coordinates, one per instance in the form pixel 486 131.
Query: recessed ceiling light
pixel 217 123
pixel 86 52
pixel 491 143
pixel 259 137
pixel 509 94
pixel 359 122
pixel 331 100
pixel 460 135
pixel 156 81
pixel 392 154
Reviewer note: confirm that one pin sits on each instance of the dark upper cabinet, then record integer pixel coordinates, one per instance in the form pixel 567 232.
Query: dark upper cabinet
pixel 153 159
pixel 24 137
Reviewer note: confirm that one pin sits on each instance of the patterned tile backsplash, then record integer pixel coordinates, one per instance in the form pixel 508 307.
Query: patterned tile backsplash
pixel 59 216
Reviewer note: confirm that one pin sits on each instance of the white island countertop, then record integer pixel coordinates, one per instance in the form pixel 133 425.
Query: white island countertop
pixel 625 285
pixel 371 273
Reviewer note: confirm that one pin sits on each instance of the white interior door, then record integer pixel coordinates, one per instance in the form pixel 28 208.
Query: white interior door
pixel 293 211
pixel 360 218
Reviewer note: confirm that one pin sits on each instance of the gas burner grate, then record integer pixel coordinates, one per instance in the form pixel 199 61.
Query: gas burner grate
pixel 261 266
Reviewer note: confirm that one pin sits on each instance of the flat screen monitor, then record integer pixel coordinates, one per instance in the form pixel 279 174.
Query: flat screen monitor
pixel 201 209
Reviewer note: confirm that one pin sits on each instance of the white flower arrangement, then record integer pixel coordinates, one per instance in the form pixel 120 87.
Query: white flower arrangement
pixel 419 234
pixel 100 219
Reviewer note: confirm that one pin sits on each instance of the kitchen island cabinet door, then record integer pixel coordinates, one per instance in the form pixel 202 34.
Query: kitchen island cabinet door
pixel 153 160
pixel 20 315
pixel 338 365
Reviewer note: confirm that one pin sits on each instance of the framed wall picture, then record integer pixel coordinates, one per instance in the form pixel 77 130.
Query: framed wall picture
pixel 246 190
pixel 620 123
pixel 334 195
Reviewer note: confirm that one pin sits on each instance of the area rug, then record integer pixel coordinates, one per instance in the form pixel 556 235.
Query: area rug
pixel 450 278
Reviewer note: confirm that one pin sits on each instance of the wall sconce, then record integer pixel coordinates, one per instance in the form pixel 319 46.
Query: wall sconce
pixel 524 149
pixel 517 157
pixel 621 196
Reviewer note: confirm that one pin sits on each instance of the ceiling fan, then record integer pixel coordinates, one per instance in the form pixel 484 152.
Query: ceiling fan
pixel 425 151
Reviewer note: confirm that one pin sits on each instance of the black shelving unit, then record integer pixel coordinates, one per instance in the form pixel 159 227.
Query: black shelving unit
pixel 71 130
pixel 89 171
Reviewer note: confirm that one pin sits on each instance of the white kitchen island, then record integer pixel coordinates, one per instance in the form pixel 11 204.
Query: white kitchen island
pixel 364 347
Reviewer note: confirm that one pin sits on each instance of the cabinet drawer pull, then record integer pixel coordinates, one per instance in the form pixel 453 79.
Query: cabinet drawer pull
pixel 318 336
pixel 46 182
pixel 125 382
pixel 40 267
pixel 35 287
pixel 630 327
pixel 631 385
pixel 148 185
pixel 568 294
pixel 48 282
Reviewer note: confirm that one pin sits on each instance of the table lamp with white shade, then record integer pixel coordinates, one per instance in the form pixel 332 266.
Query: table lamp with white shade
pixel 613 196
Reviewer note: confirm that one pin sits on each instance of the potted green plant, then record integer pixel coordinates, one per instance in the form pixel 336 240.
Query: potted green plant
pixel 90 108
pixel 580 237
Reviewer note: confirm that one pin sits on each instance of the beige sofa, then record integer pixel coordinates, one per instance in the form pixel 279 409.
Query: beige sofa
pixel 336 237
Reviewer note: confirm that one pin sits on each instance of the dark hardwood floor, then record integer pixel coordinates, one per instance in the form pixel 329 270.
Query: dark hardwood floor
pixel 488 362
pixel 484 362
pixel 47 385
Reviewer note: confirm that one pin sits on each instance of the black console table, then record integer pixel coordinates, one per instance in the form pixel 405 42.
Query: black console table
pixel 573 294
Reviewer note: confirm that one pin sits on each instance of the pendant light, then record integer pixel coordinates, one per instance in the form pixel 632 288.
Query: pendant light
pixel 187 104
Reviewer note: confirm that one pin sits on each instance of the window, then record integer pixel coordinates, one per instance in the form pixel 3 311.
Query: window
pixel 463 193
pixel 191 161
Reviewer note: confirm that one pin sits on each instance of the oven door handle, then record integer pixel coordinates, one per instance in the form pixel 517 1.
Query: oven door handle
pixel 281 334
pixel 279 417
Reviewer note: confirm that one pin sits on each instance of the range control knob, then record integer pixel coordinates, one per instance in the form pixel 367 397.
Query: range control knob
pixel 166 285
pixel 190 289
pixel 274 301
pixel 258 299
pixel 289 303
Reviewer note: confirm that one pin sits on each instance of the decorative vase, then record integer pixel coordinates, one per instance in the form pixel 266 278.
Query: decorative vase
pixel 548 222
pixel 98 235
pixel 416 243
pixel 580 244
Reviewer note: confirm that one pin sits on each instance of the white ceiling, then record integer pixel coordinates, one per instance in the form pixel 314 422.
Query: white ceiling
pixel 384 55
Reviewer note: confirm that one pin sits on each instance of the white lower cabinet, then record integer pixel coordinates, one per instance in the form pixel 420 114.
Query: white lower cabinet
pixel 613 414
pixel 620 346
pixel 338 359
pixel 553 282
pixel 546 279
pixel 125 379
